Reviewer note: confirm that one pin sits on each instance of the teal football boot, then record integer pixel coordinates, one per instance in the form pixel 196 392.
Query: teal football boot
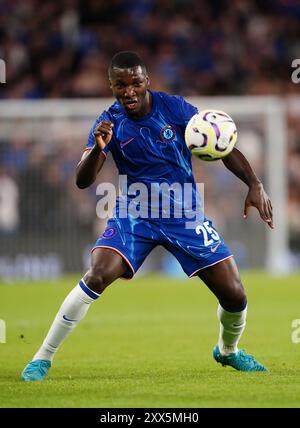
pixel 36 370
pixel 239 361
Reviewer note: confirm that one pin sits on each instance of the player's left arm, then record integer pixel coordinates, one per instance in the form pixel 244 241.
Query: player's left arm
pixel 256 197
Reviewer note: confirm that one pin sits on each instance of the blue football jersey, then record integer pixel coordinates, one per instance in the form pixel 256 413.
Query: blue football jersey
pixel 151 150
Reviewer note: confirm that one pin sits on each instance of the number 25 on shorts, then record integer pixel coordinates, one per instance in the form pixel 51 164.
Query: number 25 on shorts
pixel 210 235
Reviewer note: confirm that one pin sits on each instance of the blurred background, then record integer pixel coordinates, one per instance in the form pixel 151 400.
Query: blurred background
pixel 231 55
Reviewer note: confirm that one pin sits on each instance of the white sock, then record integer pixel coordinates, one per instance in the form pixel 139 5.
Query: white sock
pixel 73 310
pixel 232 325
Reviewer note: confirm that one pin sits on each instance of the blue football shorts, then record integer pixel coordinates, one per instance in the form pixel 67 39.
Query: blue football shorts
pixel 134 238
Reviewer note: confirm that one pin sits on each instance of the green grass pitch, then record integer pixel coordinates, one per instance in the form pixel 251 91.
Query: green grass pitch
pixel 148 343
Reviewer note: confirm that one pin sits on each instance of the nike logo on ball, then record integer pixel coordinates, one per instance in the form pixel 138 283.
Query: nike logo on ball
pixel 214 249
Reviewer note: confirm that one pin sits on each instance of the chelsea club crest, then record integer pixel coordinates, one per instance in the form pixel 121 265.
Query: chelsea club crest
pixel 168 133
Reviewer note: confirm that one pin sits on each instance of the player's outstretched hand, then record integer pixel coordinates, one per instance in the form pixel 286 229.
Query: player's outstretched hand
pixel 258 198
pixel 103 133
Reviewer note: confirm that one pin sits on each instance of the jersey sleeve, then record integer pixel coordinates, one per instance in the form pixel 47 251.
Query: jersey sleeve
pixel 187 110
pixel 180 109
pixel 91 138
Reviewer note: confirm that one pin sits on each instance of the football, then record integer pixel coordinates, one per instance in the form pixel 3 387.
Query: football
pixel 211 135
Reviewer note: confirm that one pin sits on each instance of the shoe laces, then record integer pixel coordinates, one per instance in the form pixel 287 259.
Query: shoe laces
pixel 38 365
pixel 247 358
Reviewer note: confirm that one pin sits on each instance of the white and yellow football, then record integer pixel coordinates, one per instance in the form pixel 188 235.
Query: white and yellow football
pixel 211 135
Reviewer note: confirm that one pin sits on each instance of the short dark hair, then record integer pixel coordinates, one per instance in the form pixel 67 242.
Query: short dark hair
pixel 126 59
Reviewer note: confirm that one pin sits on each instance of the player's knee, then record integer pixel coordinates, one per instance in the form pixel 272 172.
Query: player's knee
pixel 237 300
pixel 97 280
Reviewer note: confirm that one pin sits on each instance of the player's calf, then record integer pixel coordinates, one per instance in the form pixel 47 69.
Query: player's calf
pixel 73 310
pixel 226 352
pixel 232 324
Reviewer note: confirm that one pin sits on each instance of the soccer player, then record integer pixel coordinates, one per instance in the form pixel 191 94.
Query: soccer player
pixel 144 131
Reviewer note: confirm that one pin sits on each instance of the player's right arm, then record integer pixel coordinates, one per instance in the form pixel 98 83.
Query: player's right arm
pixel 93 159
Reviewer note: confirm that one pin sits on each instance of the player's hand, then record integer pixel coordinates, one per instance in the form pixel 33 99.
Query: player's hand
pixel 258 198
pixel 103 133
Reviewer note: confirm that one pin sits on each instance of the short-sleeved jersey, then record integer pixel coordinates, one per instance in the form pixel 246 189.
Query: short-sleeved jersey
pixel 152 150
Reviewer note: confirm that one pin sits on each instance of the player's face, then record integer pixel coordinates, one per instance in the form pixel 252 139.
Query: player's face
pixel 129 86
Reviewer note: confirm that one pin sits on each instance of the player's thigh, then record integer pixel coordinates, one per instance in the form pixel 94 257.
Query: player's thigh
pixel 224 281
pixel 106 267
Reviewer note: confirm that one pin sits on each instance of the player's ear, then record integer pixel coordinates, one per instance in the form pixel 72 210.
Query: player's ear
pixel 147 81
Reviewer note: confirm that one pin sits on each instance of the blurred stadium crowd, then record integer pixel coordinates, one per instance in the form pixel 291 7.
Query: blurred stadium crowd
pixel 213 47
pixel 191 47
